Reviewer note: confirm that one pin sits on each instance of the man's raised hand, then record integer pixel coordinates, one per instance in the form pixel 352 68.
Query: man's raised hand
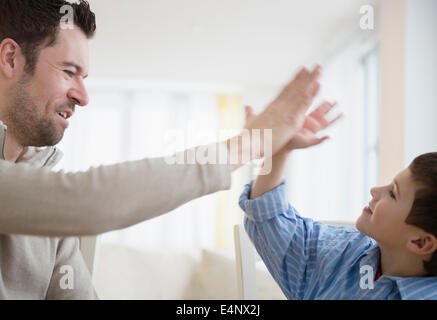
pixel 285 116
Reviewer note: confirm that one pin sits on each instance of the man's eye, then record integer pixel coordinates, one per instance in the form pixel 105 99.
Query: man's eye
pixel 392 194
pixel 69 73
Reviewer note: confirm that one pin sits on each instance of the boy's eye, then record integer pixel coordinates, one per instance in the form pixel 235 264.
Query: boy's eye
pixel 392 194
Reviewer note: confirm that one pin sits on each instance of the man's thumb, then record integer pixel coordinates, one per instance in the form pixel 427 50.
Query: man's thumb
pixel 249 112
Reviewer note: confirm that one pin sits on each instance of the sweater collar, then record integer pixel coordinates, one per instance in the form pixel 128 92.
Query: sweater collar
pixel 39 157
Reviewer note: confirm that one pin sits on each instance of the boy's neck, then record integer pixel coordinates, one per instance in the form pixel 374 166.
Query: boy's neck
pixel 400 263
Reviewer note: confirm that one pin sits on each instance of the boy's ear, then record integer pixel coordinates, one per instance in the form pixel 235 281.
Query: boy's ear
pixel 425 243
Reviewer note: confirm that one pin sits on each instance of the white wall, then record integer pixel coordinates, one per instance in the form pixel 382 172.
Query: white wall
pixel 408 42
pixel 392 76
pixel 421 78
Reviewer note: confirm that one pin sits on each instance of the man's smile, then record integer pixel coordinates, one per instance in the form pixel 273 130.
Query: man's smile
pixel 63 116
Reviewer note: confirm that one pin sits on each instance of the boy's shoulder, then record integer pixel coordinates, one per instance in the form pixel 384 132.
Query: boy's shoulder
pixel 337 233
pixel 341 239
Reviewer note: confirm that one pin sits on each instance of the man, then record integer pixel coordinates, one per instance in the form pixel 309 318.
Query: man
pixel 42 68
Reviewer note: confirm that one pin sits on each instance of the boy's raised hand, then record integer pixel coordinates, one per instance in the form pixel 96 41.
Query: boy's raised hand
pixel 314 122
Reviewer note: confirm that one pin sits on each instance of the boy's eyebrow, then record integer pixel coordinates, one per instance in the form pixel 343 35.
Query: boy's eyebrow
pixel 397 187
pixel 74 65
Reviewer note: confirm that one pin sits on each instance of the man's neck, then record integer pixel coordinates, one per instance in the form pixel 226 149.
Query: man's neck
pixel 400 263
pixel 13 150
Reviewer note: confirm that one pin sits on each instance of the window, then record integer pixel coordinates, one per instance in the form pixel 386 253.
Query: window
pixel 124 123
pixel 332 181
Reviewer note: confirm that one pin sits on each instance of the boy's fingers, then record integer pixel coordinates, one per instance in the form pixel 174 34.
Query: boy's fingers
pixel 321 140
pixel 323 108
pixel 316 141
pixel 311 124
pixel 326 106
pixel 332 105
pixel 336 119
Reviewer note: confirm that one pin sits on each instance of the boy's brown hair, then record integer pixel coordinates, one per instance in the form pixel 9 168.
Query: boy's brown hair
pixel 423 213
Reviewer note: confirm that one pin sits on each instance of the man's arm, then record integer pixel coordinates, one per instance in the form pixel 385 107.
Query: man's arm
pixel 40 202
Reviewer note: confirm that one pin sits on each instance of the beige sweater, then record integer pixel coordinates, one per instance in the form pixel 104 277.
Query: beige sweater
pixel 51 208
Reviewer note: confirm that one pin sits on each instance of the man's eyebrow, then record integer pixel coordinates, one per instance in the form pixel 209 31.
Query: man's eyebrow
pixel 74 65
pixel 397 187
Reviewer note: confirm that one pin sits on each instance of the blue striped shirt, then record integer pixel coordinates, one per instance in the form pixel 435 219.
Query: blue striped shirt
pixel 312 260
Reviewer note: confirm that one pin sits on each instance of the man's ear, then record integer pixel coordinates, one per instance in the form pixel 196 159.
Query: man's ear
pixel 425 243
pixel 11 58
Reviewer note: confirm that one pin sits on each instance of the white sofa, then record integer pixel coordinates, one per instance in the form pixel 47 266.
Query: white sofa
pixel 125 273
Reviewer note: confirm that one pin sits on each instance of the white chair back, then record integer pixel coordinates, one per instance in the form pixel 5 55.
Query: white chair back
pixel 246 258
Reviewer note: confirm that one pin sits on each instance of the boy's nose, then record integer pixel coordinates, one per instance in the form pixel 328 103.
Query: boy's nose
pixel 373 192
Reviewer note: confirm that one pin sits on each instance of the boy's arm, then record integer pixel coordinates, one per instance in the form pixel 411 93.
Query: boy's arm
pixel 265 183
pixel 305 138
pixel 273 225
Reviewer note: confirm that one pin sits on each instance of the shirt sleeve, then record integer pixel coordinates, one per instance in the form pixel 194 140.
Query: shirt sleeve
pixel 37 201
pixel 71 279
pixel 285 241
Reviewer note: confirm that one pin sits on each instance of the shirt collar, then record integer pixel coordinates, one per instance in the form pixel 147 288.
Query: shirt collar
pixel 38 157
pixel 417 288
pixel 411 288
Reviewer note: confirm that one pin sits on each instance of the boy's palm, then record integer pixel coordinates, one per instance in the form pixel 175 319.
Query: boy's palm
pixel 314 122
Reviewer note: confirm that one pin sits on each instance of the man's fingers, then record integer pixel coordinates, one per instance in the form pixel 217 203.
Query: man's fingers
pixel 303 74
pixel 317 71
pixel 314 89
pixel 249 112
pixel 307 75
pixel 305 82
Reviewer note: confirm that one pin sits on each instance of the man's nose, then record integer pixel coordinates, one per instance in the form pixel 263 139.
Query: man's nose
pixel 78 94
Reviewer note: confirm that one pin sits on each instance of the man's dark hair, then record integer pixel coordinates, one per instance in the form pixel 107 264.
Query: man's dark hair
pixel 423 213
pixel 34 24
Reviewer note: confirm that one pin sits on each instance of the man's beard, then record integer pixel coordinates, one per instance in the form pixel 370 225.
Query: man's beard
pixel 27 123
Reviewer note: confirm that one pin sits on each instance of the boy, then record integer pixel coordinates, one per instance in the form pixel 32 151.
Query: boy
pixel 392 255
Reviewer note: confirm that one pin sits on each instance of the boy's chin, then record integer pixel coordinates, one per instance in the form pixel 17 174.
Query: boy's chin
pixel 361 226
